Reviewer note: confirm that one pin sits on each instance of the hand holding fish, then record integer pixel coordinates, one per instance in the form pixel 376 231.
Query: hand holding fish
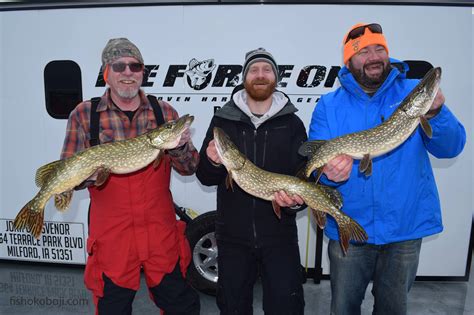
pixel 58 179
pixel 284 200
pixel 185 137
pixel 439 100
pixel 271 186
pixel 212 154
pixel 339 168
pixel 436 106
pixel 421 103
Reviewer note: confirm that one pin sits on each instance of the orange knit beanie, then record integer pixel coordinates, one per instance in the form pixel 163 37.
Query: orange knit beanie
pixel 353 45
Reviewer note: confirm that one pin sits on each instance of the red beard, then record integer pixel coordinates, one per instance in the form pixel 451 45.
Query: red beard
pixel 259 92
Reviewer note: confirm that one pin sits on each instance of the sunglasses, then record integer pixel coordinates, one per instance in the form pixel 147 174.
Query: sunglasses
pixel 359 31
pixel 134 66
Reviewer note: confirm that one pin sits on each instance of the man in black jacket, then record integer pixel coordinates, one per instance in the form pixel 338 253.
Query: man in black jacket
pixel 262 123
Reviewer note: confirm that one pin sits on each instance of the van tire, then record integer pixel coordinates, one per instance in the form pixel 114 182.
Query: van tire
pixel 202 271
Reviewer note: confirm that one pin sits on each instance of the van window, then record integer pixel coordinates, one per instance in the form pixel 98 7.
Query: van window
pixel 417 68
pixel 62 87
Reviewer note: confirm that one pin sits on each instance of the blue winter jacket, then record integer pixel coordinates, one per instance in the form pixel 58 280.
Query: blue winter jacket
pixel 399 201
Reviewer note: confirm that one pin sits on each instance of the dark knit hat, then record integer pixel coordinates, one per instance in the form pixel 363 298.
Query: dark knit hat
pixel 117 48
pixel 256 55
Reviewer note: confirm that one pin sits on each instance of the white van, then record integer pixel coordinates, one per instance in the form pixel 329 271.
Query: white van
pixel 50 61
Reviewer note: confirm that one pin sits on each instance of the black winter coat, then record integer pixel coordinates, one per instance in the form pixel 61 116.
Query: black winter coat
pixel 242 218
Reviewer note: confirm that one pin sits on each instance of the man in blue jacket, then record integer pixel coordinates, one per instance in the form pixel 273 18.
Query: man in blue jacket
pixel 398 204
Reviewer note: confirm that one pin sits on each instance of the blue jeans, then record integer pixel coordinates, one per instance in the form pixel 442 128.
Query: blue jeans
pixel 392 267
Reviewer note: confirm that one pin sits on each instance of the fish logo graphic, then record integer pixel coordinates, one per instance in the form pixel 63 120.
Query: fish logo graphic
pixel 199 73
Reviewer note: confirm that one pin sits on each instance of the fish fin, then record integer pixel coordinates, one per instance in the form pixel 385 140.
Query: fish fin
pixel 276 209
pixel 63 200
pixel 364 163
pixel 333 194
pixel 344 240
pixel 320 217
pixel 192 63
pixel 357 232
pixel 351 231
pixel 425 125
pixel 29 219
pixel 344 237
pixel 102 176
pixel 228 181
pixel 43 173
pixel 368 171
pixel 309 147
pixel 158 159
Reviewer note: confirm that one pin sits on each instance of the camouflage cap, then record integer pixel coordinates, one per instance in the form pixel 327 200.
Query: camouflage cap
pixel 117 48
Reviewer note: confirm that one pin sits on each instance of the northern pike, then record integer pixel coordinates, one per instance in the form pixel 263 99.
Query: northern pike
pixel 59 178
pixel 263 184
pixel 370 143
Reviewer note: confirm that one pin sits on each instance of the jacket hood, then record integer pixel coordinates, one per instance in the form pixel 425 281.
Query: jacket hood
pixel 237 109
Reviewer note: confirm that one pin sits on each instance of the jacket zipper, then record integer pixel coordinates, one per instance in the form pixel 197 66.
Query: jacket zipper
pixel 255 147
pixel 254 205
pixel 245 143
pixel 253 198
pixel 264 148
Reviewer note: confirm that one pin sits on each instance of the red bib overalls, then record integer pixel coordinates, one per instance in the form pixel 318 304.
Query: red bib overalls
pixel 133 225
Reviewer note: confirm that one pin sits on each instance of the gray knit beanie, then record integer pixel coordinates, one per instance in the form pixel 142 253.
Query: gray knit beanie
pixel 256 55
pixel 117 48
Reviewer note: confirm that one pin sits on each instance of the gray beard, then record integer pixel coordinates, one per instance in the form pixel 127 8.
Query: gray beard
pixel 128 94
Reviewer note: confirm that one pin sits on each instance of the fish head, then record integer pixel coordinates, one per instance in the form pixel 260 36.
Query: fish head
pixel 205 66
pixel 314 151
pixel 199 71
pixel 167 136
pixel 420 99
pixel 230 156
pixel 202 68
pixel 315 162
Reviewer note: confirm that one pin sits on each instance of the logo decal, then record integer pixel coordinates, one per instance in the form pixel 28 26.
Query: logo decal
pixel 200 73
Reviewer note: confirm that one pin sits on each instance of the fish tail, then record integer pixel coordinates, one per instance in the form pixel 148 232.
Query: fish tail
pixel 30 219
pixel 351 231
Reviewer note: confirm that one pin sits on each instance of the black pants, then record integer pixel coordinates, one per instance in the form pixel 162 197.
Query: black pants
pixel 173 295
pixel 280 270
